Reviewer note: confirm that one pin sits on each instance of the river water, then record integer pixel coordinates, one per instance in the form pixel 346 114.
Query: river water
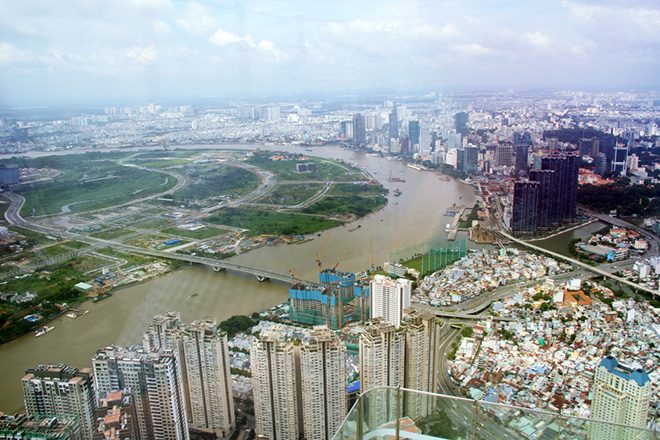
pixel 415 216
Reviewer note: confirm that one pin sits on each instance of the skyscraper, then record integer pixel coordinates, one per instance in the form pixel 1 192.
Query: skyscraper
pixel 208 378
pixel 359 130
pixel 382 360
pixel 601 164
pixel 204 359
pixel 565 185
pixel 155 380
pixel 522 165
pixel 471 159
pixel 298 388
pixel 274 383
pixel 504 154
pixel 413 132
pixel 389 298
pixel 620 395
pixel 394 124
pixel 60 390
pixel 524 216
pixel 323 373
pixel 620 159
pixel 546 205
pixel 421 341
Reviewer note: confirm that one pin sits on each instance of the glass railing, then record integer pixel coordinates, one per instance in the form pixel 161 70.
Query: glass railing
pixel 398 413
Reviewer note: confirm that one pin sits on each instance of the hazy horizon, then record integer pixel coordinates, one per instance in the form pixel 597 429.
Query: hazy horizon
pixel 77 52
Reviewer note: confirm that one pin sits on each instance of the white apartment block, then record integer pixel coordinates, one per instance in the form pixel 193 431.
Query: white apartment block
pixel 323 373
pixel 274 382
pixel 389 298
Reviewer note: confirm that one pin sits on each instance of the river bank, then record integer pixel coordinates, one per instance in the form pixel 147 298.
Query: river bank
pixel 412 218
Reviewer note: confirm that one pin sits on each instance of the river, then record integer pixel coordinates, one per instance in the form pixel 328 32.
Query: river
pixel 415 216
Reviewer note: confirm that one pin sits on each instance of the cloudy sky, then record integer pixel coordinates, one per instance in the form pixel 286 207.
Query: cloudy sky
pixel 96 51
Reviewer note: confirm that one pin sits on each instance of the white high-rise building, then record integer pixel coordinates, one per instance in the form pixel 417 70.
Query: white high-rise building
pixel 274 384
pixel 389 298
pixel 56 390
pixel 155 380
pixel 208 378
pixel 382 356
pixel 620 395
pixel 421 342
pixel 298 388
pixel 204 362
pixel 323 373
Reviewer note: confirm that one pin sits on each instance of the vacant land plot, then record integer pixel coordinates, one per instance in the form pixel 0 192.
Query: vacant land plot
pixel 260 222
pixel 198 234
pixel 214 180
pixel 286 169
pixel 88 181
pixel 358 200
pixel 292 194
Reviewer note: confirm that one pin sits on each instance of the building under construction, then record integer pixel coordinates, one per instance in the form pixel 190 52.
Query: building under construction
pixel 341 297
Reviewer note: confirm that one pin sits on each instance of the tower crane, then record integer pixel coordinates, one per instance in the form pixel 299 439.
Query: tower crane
pixel 319 257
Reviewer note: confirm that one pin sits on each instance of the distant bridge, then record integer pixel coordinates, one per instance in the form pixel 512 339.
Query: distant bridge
pixel 260 273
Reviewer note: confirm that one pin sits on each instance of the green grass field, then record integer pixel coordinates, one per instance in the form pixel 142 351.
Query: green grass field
pixel 292 194
pixel 199 234
pixel 286 169
pixel 88 181
pixel 260 222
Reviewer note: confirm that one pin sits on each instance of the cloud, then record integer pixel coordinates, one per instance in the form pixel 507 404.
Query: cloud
pixel 538 39
pixel 161 28
pixel 269 47
pixel 11 55
pixel 142 55
pixel 197 19
pixel 222 38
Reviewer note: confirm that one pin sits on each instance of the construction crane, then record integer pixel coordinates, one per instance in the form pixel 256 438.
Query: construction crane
pixel 373 267
pixel 294 276
pixel 319 257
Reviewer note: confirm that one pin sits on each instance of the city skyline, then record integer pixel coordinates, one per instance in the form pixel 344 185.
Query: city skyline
pixel 73 53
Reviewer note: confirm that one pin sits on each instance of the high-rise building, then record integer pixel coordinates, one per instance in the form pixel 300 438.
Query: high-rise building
pixel 359 129
pixel 522 164
pixel 620 159
pixel 524 215
pixel 504 155
pixel 421 341
pixel 116 418
pixel 382 360
pixel 413 132
pixel 298 388
pixel 620 395
pixel 566 167
pixel 204 361
pixel 275 386
pixel 394 124
pixel 208 378
pixel 155 380
pixel 600 164
pixel 389 298
pixel 346 129
pixel 60 390
pixel 552 188
pixel 471 159
pixel 323 374
pixel 546 205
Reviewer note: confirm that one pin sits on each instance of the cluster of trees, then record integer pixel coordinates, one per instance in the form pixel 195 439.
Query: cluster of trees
pixel 236 324
pixel 640 200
